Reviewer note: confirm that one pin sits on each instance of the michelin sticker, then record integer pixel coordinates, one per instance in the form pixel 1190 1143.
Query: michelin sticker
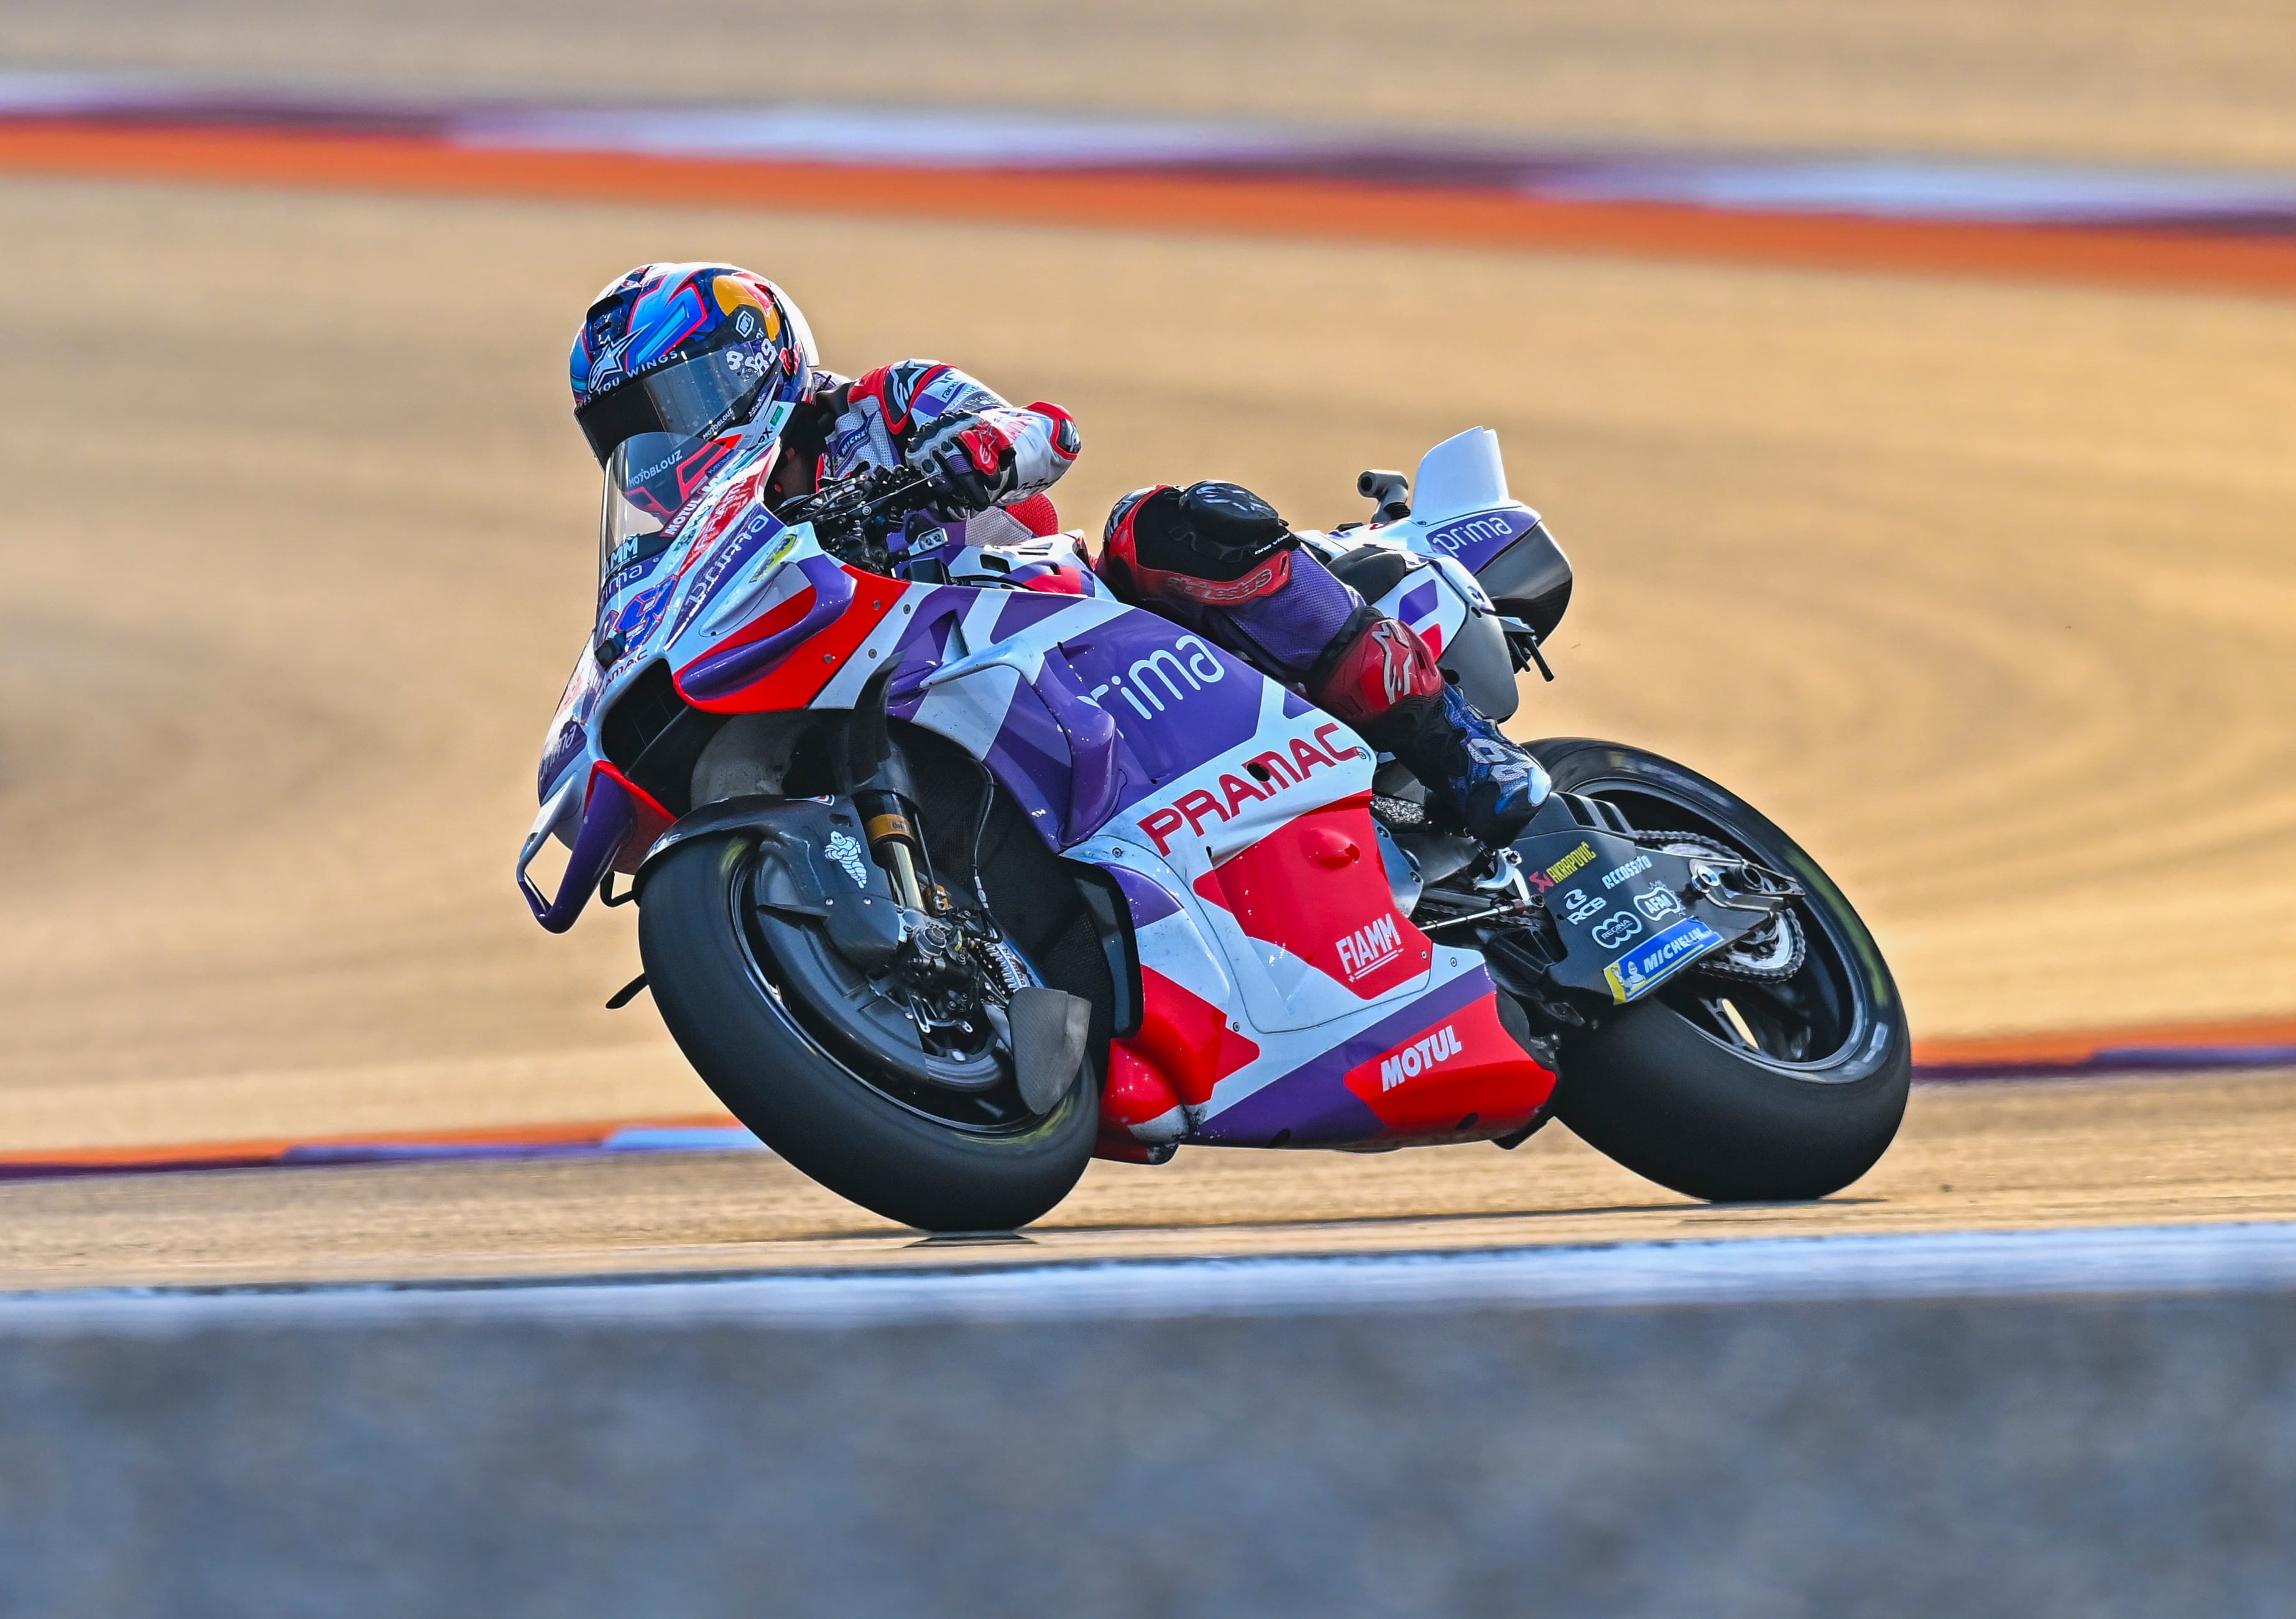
pixel 846 849
pixel 1658 957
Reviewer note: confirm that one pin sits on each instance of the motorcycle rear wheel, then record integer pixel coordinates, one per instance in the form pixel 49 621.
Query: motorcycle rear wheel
pixel 713 975
pixel 1670 1089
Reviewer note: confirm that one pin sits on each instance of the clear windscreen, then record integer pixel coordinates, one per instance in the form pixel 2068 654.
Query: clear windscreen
pixel 650 479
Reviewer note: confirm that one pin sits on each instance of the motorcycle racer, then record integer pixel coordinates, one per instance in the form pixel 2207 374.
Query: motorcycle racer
pixel 721 357
pixel 679 367
pixel 1217 558
pixel 940 925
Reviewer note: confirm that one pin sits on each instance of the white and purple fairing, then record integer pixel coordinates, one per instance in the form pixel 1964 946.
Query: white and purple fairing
pixel 1285 995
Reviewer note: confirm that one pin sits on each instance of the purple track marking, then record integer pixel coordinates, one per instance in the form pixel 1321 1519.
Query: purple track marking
pixel 1936 190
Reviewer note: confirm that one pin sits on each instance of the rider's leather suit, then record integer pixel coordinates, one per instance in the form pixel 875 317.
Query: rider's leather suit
pixel 1217 558
pixel 978 449
pixel 1214 558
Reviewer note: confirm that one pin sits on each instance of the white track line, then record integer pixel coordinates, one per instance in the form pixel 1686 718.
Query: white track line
pixel 2142 1260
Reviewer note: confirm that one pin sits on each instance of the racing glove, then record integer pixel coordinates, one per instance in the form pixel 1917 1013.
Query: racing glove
pixel 969 461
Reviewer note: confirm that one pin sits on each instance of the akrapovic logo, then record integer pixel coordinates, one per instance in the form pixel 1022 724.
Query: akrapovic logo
pixel 1369 948
pixel 1418 1056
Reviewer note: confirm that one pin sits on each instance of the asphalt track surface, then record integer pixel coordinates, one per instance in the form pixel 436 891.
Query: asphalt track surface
pixel 1982 590
pixel 2171 1151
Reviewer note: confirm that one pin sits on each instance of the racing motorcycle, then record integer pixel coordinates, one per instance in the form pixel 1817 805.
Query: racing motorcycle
pixel 954 872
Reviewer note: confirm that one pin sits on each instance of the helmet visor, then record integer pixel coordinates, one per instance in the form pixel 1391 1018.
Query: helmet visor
pixel 650 478
pixel 695 398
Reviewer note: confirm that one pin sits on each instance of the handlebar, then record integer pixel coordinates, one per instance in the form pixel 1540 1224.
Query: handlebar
pixel 876 492
pixel 854 516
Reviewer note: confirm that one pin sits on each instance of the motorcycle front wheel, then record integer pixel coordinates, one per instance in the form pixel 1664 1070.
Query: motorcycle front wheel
pixel 732 986
pixel 1724 1087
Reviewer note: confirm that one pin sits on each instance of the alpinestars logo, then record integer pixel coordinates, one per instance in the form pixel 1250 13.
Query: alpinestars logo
pixel 1395 664
pixel 1418 1056
pixel 1370 947
pixel 606 368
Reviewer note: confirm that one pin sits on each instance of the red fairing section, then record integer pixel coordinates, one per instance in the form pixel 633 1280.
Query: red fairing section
pixel 1061 578
pixel 1316 886
pixel 1465 1063
pixel 1387 663
pixel 1190 1044
pixel 652 821
pixel 1138 1097
pixel 797 678
pixel 775 619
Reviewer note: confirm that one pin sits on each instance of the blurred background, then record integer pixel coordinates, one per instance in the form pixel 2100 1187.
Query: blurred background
pixel 1971 563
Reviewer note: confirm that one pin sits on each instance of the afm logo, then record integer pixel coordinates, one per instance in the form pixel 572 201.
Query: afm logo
pixel 1421 1054
pixel 1372 945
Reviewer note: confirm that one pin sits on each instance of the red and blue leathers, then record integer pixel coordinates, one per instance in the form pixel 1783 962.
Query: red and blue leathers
pixel 686 352
pixel 1281 611
pixel 1218 559
pixel 978 449
pixel 712 351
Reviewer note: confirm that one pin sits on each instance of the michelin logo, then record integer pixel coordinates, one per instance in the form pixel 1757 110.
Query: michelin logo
pixel 846 849
pixel 1659 957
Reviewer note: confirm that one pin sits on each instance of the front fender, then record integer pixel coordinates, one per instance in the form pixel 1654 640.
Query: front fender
pixel 811 856
pixel 825 830
pixel 756 812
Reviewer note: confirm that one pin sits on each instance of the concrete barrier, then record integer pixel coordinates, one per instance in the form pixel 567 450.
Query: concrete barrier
pixel 2011 1455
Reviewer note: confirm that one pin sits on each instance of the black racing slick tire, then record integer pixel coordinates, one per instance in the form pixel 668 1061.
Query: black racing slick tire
pixel 710 969
pixel 1721 1090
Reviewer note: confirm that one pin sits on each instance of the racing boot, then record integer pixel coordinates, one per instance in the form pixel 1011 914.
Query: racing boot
pixel 1380 679
pixel 1490 785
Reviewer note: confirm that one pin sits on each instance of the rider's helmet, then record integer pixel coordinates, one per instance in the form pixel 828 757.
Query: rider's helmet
pixel 677 366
